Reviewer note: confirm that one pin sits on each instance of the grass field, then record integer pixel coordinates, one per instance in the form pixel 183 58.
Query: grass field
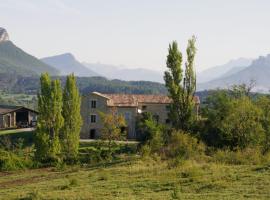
pixel 131 177
pixel 139 179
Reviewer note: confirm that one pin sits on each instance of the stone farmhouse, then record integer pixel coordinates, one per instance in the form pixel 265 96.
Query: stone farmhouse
pixel 128 105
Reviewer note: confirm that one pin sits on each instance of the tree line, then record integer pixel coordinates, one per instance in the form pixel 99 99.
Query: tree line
pixel 234 123
pixel 59 121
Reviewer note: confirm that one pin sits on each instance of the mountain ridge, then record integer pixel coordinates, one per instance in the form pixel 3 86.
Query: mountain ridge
pixel 126 74
pixel 258 71
pixel 66 63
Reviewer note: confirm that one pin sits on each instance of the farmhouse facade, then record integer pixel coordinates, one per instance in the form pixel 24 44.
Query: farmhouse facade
pixel 16 116
pixel 130 106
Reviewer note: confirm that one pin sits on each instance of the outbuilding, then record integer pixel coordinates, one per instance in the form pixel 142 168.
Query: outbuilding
pixel 17 117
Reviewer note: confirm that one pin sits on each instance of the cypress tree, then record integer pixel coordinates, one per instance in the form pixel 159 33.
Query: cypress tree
pixel 73 120
pixel 181 89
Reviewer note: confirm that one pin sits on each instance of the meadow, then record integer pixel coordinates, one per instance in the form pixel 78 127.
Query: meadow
pixel 139 178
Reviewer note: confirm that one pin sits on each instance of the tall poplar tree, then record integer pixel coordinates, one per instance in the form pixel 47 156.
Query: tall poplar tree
pixel 181 89
pixel 73 120
pixel 57 120
pixel 50 119
pixel 43 126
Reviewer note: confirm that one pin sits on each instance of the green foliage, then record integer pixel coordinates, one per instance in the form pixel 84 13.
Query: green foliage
pixel 183 146
pixel 152 134
pixel 263 103
pixel 242 127
pixel 50 120
pixel 245 156
pixel 113 124
pixel 73 120
pixel 30 85
pixel 10 161
pixel 181 89
pixel 232 121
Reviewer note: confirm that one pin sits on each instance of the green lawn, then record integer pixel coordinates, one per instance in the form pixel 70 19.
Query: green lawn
pixel 140 179
pixel 13 131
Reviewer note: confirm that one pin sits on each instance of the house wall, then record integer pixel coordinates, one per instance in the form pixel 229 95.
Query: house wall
pixel 8 120
pixel 32 116
pixel 101 106
pixel 130 115
pixel 87 111
pixel 160 110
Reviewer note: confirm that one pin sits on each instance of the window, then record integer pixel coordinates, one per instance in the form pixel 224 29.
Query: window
pixel 93 118
pixel 93 103
pixel 168 121
pixel 144 107
pixel 168 107
pixel 92 134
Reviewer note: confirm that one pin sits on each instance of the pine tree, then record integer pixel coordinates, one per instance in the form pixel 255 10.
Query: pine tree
pixel 181 90
pixel 73 120
pixel 50 120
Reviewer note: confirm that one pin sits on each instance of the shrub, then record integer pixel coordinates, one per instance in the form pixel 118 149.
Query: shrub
pixel 10 161
pixel 241 156
pixel 145 150
pixel 90 155
pixel 183 146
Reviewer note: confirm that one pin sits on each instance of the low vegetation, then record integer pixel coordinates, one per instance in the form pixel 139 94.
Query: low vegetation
pixel 140 179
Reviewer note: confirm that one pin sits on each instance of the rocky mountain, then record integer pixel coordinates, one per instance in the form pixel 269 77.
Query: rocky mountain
pixel 14 60
pixel 67 64
pixel 258 71
pixel 221 70
pixel 116 72
pixel 3 35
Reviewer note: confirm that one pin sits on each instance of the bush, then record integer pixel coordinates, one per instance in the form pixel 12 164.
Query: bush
pixel 182 146
pixel 9 161
pixel 145 150
pixel 241 156
pixel 90 155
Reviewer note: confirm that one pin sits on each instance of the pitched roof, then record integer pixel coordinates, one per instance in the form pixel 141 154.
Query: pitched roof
pixel 135 99
pixel 132 100
pixel 4 109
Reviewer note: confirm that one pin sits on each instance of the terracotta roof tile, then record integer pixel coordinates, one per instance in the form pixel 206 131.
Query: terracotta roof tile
pixel 132 100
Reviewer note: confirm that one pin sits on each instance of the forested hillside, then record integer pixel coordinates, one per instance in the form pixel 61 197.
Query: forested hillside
pixel 30 85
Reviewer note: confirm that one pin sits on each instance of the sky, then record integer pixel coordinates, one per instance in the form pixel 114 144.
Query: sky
pixel 137 33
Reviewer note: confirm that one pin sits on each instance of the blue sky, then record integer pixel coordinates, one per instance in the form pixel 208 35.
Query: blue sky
pixel 136 33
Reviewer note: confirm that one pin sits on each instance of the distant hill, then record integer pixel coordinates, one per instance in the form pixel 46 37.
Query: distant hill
pixel 30 85
pixel 115 72
pixel 258 71
pixel 67 64
pixel 221 70
pixel 14 60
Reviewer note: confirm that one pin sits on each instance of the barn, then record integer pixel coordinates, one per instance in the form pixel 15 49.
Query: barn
pixel 17 117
